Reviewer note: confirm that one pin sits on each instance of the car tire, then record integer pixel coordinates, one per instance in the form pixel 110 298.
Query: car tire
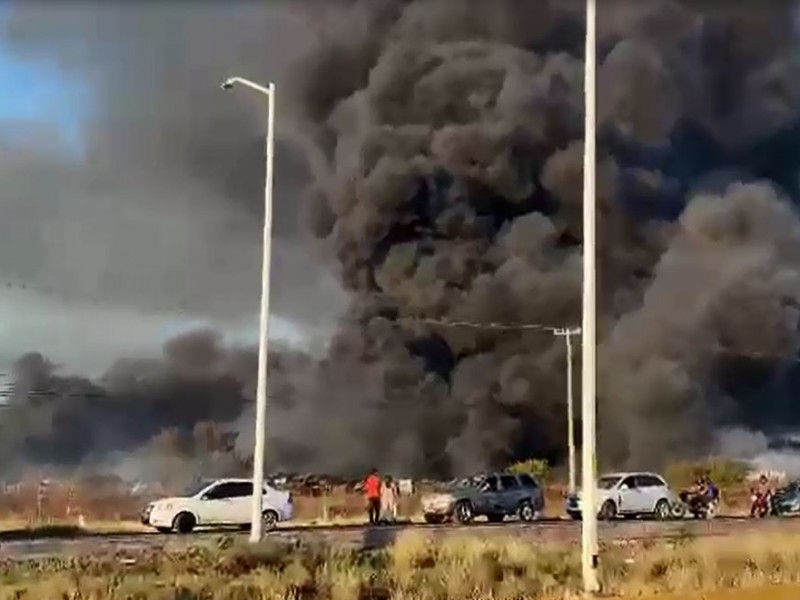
pixel 164 529
pixel 434 519
pixel 269 520
pixel 608 511
pixel 184 522
pixel 463 513
pixel 576 516
pixel 527 512
pixel 662 511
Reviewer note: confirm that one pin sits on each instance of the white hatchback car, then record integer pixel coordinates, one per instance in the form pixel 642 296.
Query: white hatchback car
pixel 217 503
pixel 629 495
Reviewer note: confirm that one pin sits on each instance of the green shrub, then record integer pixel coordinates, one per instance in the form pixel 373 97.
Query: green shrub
pixel 537 467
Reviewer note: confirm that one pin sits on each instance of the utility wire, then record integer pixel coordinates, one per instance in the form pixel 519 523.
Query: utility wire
pixel 566 330
pixel 9 390
pixel 496 326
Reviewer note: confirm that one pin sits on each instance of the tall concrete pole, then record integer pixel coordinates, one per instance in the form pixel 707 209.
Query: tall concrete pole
pixel 257 525
pixel 589 547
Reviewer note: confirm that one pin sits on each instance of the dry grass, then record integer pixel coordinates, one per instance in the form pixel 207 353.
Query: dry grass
pixel 418 569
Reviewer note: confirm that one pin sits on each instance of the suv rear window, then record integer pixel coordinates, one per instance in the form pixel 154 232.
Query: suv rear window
pixel 527 481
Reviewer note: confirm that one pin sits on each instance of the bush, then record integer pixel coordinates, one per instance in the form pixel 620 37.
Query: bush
pixel 725 473
pixel 537 467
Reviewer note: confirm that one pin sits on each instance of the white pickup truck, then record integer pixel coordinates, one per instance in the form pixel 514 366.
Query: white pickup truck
pixel 217 503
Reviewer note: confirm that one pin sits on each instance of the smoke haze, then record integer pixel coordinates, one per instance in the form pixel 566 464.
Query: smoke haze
pixel 434 149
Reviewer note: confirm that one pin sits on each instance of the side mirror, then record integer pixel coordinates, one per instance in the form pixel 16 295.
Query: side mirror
pixel 624 487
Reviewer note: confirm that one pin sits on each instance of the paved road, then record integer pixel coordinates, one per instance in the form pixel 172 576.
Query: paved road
pixel 376 537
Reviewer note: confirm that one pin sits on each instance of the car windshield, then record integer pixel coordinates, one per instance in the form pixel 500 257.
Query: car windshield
pixel 606 483
pixel 465 482
pixel 197 487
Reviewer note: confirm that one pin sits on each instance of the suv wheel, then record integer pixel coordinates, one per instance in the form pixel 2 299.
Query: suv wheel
pixel 464 512
pixel 608 511
pixel 526 511
pixel 269 520
pixel 663 511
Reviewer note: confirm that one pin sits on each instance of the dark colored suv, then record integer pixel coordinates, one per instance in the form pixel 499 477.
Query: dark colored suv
pixel 495 496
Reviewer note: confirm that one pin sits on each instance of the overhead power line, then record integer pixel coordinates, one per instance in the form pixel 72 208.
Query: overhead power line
pixel 573 330
pixel 496 326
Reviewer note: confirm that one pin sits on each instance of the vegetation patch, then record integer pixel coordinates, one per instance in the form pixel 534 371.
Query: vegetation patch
pixel 414 568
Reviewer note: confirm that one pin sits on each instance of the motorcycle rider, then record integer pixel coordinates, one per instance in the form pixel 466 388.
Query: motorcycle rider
pixel 695 496
pixel 712 490
pixel 712 496
pixel 762 497
pixel 701 494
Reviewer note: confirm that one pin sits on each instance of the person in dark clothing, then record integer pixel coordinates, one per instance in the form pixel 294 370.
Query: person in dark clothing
pixel 372 492
pixel 711 489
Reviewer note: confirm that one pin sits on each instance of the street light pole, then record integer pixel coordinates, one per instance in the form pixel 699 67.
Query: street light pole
pixel 567 335
pixel 257 526
pixel 589 549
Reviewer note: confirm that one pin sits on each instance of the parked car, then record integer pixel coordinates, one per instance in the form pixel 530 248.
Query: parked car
pixel 786 500
pixel 629 495
pixel 495 496
pixel 217 503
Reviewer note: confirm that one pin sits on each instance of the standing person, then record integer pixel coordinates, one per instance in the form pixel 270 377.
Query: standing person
pixel 389 499
pixel 372 491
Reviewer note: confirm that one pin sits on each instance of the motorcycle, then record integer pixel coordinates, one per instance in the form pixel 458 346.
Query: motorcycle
pixel 762 504
pixel 699 505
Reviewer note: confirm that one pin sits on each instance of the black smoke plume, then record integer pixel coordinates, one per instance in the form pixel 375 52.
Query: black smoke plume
pixel 444 143
pixel 453 190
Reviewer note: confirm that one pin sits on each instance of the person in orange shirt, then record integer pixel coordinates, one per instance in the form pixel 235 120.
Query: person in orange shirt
pixel 372 491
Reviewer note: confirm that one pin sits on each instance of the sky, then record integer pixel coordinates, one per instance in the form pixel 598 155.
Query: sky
pixel 40 101
pixel 36 91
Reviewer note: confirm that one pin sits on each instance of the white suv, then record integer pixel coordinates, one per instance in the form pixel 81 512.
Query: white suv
pixel 221 502
pixel 629 495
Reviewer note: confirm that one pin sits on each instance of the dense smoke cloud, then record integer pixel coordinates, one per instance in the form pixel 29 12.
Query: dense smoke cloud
pixel 455 192
pixel 61 420
pixel 445 164
pixel 157 207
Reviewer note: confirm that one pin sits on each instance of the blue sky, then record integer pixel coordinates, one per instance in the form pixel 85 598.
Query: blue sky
pixel 36 91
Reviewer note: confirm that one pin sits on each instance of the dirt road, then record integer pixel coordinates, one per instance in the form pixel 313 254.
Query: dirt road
pixel 376 537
